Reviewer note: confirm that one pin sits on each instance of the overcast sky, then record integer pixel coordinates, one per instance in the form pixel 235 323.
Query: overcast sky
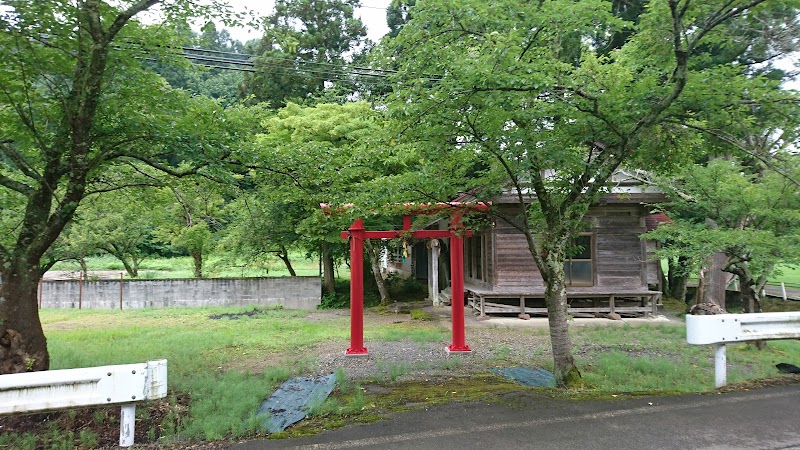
pixel 372 13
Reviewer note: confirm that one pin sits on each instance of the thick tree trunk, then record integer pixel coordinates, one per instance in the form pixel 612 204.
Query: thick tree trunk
pixel 84 268
pixel 747 288
pixel 716 280
pixel 328 280
pixel 66 164
pixel 132 269
pixel 197 257
pixel 565 370
pixel 375 263
pixel 283 254
pixel 677 278
pixel 23 347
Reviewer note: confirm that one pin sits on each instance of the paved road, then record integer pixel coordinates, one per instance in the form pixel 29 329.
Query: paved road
pixel 758 419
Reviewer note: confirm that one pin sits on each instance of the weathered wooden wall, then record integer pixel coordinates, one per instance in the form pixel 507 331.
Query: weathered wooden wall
pixel 619 254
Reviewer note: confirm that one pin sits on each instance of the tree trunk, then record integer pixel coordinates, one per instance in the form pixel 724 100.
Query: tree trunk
pixel 197 257
pixel 23 347
pixel 747 288
pixel 283 254
pixel 84 267
pixel 565 370
pixel 750 299
pixel 700 292
pixel 67 161
pixel 133 270
pixel 716 280
pixel 328 280
pixel 677 278
pixel 375 263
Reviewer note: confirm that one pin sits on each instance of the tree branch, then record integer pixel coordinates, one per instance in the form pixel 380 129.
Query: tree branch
pixel 165 168
pixel 14 185
pixel 126 15
pixel 731 140
pixel 19 161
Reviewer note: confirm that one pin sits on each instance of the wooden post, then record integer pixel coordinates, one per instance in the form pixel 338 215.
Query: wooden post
pixel 522 314
pixel 40 292
pixel 120 291
pixel 80 290
pixel 434 281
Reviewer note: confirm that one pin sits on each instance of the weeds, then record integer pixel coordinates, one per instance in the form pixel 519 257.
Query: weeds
pixel 221 370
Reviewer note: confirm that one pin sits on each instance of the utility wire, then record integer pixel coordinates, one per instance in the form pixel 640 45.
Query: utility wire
pixel 251 67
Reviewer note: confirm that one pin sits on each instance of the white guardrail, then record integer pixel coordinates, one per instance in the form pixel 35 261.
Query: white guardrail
pixel 730 328
pixel 91 386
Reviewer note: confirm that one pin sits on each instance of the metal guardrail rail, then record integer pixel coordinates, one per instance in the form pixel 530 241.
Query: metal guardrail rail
pixel 91 386
pixel 723 329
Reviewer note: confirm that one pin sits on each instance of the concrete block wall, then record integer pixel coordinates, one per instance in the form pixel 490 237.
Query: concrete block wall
pixel 289 292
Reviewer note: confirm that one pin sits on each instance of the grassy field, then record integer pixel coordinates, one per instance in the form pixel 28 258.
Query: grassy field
pixel 222 366
pixel 787 274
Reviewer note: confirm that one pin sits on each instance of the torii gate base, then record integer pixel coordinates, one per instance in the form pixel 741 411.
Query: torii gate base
pixel 357 234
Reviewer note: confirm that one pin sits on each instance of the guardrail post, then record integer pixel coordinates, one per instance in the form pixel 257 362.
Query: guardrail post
pixel 722 329
pixel 783 290
pixel 720 366
pixel 127 423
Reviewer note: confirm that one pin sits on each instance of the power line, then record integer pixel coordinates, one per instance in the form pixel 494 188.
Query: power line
pixel 283 58
pixel 251 62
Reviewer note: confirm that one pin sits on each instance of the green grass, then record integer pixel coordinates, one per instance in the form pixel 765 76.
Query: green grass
pixel 783 272
pixel 657 358
pixel 787 274
pixel 218 363
pixel 226 367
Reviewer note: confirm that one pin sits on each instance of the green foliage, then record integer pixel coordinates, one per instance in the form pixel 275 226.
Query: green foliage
pixel 304 45
pixel 398 13
pixel 528 99
pixel 335 300
pixel 306 156
pixel 409 288
pixel 82 114
pixel 753 218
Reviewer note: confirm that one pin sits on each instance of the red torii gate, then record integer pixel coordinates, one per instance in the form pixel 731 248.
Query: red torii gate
pixel 357 233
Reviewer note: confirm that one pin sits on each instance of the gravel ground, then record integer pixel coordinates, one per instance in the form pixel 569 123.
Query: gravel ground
pixel 497 342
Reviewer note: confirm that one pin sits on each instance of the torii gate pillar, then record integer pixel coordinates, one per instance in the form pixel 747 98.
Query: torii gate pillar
pixel 357 289
pixel 459 344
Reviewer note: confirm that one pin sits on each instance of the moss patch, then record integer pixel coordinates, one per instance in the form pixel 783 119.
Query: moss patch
pixel 418 314
pixel 410 395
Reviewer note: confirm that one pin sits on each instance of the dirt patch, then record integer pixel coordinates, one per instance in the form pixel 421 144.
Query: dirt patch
pixel 234 316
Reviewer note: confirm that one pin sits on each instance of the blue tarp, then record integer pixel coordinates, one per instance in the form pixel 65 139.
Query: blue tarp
pixel 290 403
pixel 532 377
